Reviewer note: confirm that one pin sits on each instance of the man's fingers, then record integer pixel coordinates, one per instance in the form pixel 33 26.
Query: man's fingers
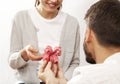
pixel 42 67
pixel 55 69
pixel 59 68
pixel 41 71
pixel 60 73
pixel 49 65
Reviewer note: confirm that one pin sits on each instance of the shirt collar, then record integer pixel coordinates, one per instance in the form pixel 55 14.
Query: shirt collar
pixel 114 58
pixel 36 17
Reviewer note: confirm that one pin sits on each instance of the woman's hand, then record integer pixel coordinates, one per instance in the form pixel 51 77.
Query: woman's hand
pixel 30 53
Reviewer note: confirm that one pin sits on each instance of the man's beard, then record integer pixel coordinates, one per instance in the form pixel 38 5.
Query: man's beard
pixel 89 57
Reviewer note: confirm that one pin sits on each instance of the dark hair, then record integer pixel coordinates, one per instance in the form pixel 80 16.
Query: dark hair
pixel 104 19
pixel 37 3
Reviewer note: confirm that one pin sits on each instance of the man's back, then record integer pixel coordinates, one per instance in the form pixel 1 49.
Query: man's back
pixel 105 73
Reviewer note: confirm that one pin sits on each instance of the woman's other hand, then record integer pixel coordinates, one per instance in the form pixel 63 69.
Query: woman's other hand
pixel 30 53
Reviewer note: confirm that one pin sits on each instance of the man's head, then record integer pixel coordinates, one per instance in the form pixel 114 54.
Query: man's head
pixel 103 20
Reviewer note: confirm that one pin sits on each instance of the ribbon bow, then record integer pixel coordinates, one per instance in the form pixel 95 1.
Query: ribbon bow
pixel 52 55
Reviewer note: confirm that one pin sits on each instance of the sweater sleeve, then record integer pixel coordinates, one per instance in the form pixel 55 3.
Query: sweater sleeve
pixel 15 60
pixel 76 58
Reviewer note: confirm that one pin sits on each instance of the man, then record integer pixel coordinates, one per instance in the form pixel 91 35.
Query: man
pixel 102 49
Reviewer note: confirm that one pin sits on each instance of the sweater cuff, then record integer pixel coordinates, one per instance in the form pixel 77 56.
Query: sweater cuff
pixel 21 60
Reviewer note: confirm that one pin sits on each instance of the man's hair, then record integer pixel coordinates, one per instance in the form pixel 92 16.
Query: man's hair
pixel 103 18
pixel 37 3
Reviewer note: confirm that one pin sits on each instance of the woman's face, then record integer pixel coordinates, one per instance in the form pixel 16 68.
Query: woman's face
pixel 50 5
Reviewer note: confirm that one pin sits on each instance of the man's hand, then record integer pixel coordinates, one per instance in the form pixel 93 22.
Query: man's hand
pixel 46 74
pixel 51 74
pixel 61 77
pixel 30 53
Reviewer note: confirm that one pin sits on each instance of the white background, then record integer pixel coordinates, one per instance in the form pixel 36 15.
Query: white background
pixel 8 8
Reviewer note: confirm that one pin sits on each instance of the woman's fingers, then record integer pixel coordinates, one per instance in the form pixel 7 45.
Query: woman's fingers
pixel 34 57
pixel 32 53
pixel 32 49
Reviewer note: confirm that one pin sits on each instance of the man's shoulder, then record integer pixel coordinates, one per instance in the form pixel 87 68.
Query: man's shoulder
pixel 97 73
pixel 90 69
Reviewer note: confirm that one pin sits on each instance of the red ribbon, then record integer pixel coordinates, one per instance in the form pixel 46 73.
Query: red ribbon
pixel 51 55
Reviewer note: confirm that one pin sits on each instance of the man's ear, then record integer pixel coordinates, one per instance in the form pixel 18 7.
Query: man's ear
pixel 88 35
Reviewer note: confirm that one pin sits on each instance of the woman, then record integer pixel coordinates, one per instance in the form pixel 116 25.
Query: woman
pixel 33 30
